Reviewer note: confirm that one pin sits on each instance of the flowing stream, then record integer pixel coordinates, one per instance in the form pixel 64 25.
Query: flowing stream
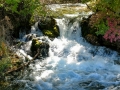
pixel 73 63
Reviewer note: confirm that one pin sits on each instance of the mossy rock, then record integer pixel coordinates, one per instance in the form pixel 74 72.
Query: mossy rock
pixel 43 48
pixel 87 28
pixel 52 33
pixel 46 22
pixel 48 27
pixel 35 46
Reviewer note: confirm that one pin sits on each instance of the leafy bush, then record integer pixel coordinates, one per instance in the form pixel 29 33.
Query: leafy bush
pixel 102 28
pixel 22 7
pixel 113 33
pixel 108 27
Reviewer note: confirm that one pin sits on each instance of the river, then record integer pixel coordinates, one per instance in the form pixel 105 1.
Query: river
pixel 73 63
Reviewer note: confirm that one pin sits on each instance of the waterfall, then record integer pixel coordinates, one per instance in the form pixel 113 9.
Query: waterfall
pixel 73 63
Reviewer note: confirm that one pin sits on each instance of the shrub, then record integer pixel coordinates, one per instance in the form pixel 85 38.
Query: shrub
pixel 102 28
pixel 22 7
pixel 108 8
pixel 113 33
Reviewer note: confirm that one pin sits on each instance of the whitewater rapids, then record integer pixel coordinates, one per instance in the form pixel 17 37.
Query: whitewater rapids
pixel 73 63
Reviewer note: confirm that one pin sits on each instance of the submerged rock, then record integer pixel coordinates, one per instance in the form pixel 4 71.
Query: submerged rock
pixel 49 27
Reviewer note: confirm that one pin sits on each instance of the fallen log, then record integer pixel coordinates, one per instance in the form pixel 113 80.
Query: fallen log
pixel 23 65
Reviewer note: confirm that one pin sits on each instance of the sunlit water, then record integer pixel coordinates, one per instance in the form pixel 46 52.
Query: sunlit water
pixel 73 63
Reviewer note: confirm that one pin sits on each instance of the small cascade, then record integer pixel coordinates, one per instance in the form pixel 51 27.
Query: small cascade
pixel 69 28
pixel 73 63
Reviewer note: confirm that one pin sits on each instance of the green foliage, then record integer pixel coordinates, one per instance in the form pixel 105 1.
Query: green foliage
pixel 109 7
pixel 1 3
pixel 12 5
pixel 103 10
pixel 21 7
pixel 101 27
pixel 4 64
pixel 4 58
pixel 27 7
pixel 39 12
pixel 24 10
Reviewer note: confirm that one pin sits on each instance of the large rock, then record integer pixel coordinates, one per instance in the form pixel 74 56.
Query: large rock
pixel 89 33
pixel 49 27
pixel 43 48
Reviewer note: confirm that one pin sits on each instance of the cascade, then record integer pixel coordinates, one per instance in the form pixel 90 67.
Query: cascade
pixel 73 63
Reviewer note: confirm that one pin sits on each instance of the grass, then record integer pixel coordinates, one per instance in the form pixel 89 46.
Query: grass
pixel 4 57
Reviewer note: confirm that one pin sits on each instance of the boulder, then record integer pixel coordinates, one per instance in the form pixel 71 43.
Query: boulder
pixel 89 33
pixel 43 48
pixel 49 27
pixel 92 39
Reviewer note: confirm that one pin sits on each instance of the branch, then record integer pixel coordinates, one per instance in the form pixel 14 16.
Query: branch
pixel 88 6
pixel 23 65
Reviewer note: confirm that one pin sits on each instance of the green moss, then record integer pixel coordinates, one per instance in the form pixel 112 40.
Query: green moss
pixel 48 33
pixel 56 30
pixel 52 33
pixel 35 45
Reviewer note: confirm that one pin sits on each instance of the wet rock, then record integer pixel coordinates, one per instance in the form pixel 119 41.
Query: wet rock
pixel 92 39
pixel 95 86
pixel 117 62
pixel 35 46
pixel 46 22
pixel 30 37
pixel 113 88
pixel 89 33
pixel 92 85
pixel 49 27
pixel 17 43
pixel 43 48
pixel 113 45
